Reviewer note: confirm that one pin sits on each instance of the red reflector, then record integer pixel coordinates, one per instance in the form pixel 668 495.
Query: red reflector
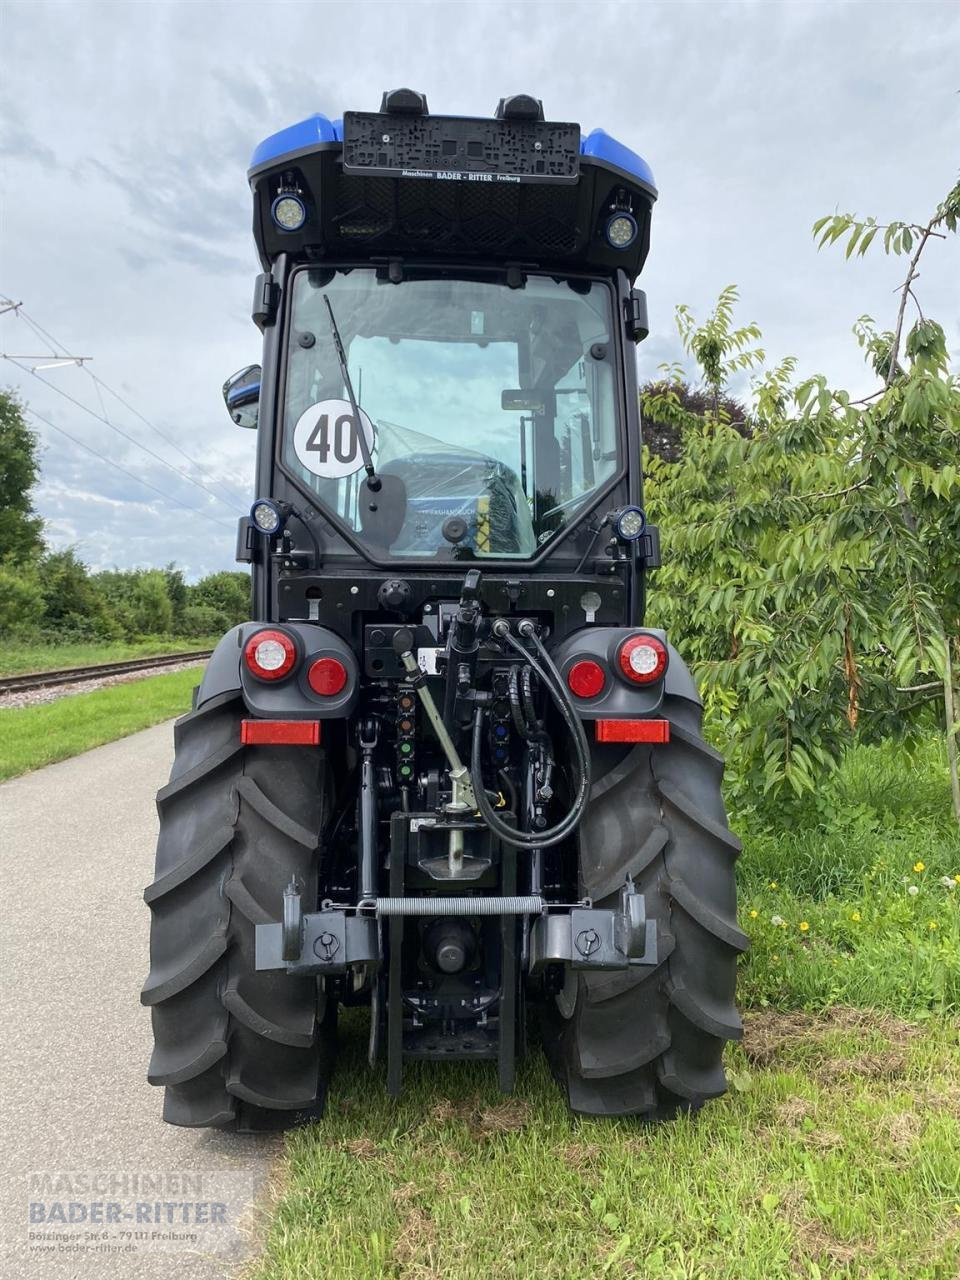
pixel 586 679
pixel 289 733
pixel 633 730
pixel 327 676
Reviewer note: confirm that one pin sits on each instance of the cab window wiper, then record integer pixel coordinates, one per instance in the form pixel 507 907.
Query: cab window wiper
pixel 373 480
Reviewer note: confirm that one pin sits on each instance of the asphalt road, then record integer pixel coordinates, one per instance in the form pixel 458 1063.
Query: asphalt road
pixel 80 1130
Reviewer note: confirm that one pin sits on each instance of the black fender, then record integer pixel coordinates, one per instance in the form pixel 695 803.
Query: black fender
pixel 290 698
pixel 619 698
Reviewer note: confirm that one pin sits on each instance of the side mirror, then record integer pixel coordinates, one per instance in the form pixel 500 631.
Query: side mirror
pixel 241 395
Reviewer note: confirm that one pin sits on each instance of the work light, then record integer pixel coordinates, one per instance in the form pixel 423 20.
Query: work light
pixel 621 230
pixel 267 516
pixel 288 211
pixel 630 523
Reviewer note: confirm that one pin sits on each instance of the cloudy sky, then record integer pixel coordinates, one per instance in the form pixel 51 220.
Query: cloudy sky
pixel 126 130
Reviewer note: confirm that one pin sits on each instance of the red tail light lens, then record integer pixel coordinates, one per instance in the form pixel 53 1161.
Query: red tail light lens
pixel 327 676
pixel 270 655
pixel 643 659
pixel 586 679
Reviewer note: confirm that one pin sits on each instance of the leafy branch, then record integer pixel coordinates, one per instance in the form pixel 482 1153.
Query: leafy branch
pixel 815 550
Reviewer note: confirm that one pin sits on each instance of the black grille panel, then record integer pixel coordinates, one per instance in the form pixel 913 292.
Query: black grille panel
pixel 515 219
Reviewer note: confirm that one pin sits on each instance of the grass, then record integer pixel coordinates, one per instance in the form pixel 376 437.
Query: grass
pixel 873 876
pixel 19 657
pixel 31 737
pixel 833 1156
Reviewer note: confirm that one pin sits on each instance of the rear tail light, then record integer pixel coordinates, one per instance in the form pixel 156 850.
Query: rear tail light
pixel 632 730
pixel 643 659
pixel 270 655
pixel 586 679
pixel 327 676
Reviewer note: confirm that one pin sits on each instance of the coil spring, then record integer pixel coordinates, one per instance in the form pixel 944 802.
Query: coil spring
pixel 532 904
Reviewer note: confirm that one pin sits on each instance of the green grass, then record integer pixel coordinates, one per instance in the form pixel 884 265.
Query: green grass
pixel 834 1156
pixel 31 737
pixel 880 932
pixel 17 656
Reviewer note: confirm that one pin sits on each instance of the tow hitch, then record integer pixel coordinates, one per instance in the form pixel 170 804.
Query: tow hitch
pixel 333 939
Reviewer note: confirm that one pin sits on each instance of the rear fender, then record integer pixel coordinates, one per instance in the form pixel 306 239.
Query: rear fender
pixel 619 699
pixel 289 699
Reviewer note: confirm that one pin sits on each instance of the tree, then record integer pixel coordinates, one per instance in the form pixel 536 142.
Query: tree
pixel 812 569
pixel 21 529
pixel 673 403
pixel 72 601
pixel 176 593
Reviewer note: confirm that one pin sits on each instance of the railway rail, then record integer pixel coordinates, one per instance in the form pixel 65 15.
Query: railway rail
pixel 76 675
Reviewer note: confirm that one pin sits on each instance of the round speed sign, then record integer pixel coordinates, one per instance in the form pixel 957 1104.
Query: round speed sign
pixel 326 439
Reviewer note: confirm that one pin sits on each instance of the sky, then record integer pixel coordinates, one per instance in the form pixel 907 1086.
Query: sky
pixel 126 130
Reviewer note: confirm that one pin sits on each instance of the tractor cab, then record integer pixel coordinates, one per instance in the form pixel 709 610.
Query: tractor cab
pixel 448 314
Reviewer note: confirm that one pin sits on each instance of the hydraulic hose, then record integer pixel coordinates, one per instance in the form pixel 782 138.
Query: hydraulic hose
pixel 551 679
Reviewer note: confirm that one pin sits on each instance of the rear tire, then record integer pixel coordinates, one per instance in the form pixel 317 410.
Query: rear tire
pixel 649 1041
pixel 234 1048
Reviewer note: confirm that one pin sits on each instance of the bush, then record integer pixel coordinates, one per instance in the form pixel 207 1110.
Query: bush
pixel 202 620
pixel 227 592
pixel 21 600
pixel 140 600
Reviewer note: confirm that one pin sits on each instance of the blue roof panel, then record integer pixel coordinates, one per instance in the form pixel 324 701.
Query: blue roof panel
pixel 305 133
pixel 598 145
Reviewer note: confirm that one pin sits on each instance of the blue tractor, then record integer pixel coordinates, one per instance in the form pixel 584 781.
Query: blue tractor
pixel 449 773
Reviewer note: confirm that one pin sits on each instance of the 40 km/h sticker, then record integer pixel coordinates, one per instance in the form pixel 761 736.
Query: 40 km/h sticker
pixel 326 439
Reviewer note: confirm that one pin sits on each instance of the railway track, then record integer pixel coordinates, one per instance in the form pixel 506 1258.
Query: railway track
pixel 76 675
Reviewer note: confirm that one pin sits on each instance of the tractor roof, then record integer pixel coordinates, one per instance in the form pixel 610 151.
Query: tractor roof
pixel 511 188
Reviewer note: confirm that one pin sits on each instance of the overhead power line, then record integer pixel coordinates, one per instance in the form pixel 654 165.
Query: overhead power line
pixel 54 362
pixel 167 497
pixel 243 502
pixel 184 475
pixel 60 351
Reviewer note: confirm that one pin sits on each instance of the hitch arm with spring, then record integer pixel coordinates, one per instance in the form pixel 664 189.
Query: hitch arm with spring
pixel 463 800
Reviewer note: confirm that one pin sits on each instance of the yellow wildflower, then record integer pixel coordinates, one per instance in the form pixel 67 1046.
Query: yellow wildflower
pixel 773 884
pixel 919 866
pixel 932 924
pixel 855 917
pixel 754 914
pixel 804 927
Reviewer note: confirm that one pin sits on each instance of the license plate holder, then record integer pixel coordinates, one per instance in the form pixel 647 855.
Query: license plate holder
pixel 455 148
